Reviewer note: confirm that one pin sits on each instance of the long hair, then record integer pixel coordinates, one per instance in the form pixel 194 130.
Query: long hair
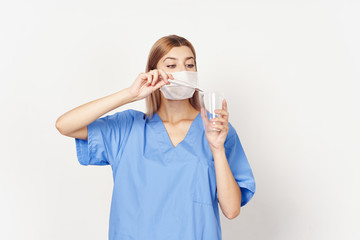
pixel 158 50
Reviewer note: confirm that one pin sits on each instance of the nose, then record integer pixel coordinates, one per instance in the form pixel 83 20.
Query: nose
pixel 182 68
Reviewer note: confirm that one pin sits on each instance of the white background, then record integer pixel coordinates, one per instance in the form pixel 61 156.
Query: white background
pixel 290 74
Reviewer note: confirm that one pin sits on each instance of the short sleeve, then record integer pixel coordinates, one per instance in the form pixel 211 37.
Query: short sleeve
pixel 105 137
pixel 239 165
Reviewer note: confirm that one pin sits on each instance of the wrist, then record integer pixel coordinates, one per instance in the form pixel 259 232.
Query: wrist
pixel 131 97
pixel 217 150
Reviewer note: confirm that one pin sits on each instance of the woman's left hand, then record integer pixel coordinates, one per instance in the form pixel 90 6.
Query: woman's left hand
pixel 216 139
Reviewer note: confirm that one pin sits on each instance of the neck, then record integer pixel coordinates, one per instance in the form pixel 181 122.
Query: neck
pixel 176 110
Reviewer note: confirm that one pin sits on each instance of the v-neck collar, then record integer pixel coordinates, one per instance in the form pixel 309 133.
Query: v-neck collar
pixel 163 132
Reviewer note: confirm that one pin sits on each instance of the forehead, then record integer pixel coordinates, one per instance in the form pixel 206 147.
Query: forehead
pixel 180 53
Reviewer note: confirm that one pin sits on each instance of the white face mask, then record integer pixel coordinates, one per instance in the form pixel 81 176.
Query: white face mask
pixel 182 86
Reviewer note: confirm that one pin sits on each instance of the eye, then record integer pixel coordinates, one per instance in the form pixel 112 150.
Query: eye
pixel 191 65
pixel 170 66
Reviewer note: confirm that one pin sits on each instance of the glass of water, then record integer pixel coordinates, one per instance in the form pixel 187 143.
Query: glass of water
pixel 210 101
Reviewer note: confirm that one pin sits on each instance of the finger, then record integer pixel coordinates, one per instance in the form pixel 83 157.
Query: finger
pixel 219 119
pixel 169 75
pixel 143 76
pixel 159 84
pixel 222 112
pixel 155 77
pixel 224 104
pixel 149 78
pixel 218 126
pixel 164 76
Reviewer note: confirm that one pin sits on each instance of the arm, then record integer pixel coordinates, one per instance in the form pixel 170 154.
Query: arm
pixel 74 122
pixel 229 193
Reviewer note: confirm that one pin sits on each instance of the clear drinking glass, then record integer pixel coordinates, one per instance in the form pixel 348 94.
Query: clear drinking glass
pixel 210 101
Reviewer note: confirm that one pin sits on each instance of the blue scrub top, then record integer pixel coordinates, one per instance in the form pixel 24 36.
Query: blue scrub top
pixel 161 192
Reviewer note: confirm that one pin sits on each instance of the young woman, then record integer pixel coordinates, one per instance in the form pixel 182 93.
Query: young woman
pixel 169 174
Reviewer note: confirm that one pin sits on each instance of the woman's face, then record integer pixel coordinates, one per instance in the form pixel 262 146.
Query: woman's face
pixel 177 59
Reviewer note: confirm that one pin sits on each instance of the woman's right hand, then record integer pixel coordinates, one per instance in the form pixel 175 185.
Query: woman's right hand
pixel 146 83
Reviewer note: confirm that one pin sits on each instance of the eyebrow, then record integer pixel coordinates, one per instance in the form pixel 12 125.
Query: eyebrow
pixel 177 59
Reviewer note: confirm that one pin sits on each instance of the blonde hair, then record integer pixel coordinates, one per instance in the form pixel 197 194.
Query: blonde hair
pixel 158 50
